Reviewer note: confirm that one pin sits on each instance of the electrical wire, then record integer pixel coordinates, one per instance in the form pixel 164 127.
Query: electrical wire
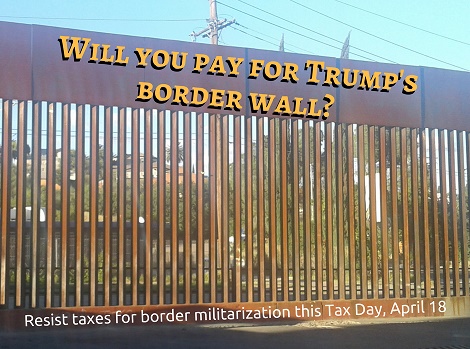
pixel 276 44
pixel 376 36
pixel 104 19
pixel 303 35
pixel 253 36
pixel 403 23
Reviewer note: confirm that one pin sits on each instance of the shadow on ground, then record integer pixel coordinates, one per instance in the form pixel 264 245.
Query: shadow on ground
pixel 408 334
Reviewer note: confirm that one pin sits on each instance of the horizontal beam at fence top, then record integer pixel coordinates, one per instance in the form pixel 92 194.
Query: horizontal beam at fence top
pixel 33 69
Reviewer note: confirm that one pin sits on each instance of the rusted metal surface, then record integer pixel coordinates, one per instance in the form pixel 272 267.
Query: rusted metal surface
pixel 327 237
pixel 50 77
pixel 311 211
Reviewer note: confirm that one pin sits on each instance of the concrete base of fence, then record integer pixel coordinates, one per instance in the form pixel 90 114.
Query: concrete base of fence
pixel 379 309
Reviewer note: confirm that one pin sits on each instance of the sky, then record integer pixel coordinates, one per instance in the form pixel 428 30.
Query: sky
pixel 430 33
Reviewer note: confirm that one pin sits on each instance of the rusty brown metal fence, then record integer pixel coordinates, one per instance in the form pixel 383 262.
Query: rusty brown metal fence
pixel 107 206
pixel 107 201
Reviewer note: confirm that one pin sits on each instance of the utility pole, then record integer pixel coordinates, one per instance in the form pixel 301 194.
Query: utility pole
pixel 214 25
pixel 212 32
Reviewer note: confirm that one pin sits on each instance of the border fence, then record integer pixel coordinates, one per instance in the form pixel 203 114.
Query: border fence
pixel 107 205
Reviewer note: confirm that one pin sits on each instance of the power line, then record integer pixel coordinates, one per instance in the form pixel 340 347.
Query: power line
pixel 300 34
pixel 104 19
pixel 276 44
pixel 376 36
pixel 253 36
pixel 403 23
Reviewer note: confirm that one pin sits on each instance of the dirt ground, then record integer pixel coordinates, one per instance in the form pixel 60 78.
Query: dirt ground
pixel 423 333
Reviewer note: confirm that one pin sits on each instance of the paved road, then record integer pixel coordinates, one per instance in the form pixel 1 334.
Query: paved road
pixel 409 334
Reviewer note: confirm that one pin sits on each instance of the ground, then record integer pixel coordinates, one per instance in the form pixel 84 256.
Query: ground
pixel 422 333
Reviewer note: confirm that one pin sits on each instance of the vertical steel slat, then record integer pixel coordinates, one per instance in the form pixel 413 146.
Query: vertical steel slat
pixel 362 209
pixel 93 203
pixel 394 198
pixel 65 193
pixel 174 205
pixel 36 201
pixel 51 158
pixel 148 192
pixel 200 175
pixel 187 199
pixel 425 216
pixel 405 211
pixel 383 212
pixel 135 189
pixel 214 234
pixel 351 213
pixel 318 214
pixel 20 202
pixel 272 208
pixel 329 210
pixel 443 142
pixel 122 139
pixel 307 211
pixel 225 204
pixel 284 219
pixel 295 168
pixel 416 215
pixel 465 232
pixel 79 169
pixel 463 212
pixel 107 213
pixel 373 212
pixel 161 207
pixel 453 214
pixel 249 205
pixel 6 199
pixel 261 212
pixel 340 210
pixel 237 204
pixel 435 213
pixel 285 266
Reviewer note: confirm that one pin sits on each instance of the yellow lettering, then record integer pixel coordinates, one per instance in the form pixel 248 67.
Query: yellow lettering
pixel 331 78
pixel 259 102
pixel 390 79
pixel 276 72
pixel 144 91
pixel 200 61
pixel 174 57
pixel 311 108
pixel 180 93
pixel 256 66
pixel 166 89
pixel 283 106
pixel 74 47
pixel 233 100
pixel 142 55
pixel 199 92
pixel 410 84
pixel 119 53
pixel 216 98
pixel 315 66
pixel 297 110
pixel 234 64
pixel 368 82
pixel 290 72
pixel 346 73
pixel 94 53
pixel 104 54
pixel 165 59
pixel 217 66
